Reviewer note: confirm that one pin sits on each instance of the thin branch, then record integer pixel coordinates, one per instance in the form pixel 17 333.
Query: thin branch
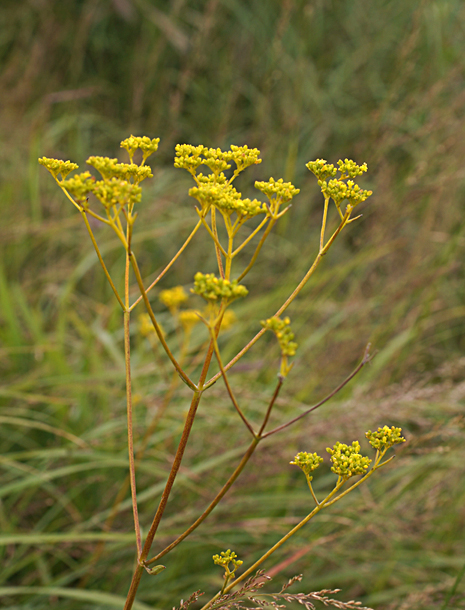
pixel 173 260
pixel 156 326
pixel 285 305
pixel 107 273
pixel 213 503
pixel 170 481
pixel 366 358
pixel 323 224
pixel 251 236
pixel 270 406
pixel 127 360
pixel 258 248
pixel 226 383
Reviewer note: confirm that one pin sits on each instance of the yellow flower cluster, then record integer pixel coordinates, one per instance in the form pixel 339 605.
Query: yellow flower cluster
pixel 349 169
pixel 308 462
pixel 110 168
pixel 212 288
pixel 219 195
pixel 57 166
pixel 116 192
pixel 191 157
pixel 227 557
pixel 347 461
pixel 244 157
pixel 277 191
pixel 385 437
pixel 338 191
pixel 215 190
pixel 80 186
pixel 321 169
pixel 283 333
pixel 146 328
pixel 144 143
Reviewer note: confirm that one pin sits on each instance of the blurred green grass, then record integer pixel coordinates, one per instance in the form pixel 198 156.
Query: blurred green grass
pixel 379 83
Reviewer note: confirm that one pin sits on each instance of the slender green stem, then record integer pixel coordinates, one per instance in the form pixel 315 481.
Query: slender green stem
pixel 97 250
pixel 274 548
pixel 251 236
pixel 257 249
pixel 311 490
pixel 323 224
pixel 218 248
pixel 127 360
pixel 172 261
pixel 156 326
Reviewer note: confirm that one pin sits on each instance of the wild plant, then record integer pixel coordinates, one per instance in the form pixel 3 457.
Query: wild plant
pixel 234 225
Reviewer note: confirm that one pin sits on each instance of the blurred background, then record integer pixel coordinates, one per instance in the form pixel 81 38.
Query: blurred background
pixel 377 82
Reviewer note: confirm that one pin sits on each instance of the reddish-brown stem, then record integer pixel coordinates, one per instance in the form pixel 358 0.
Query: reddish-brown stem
pixel 366 358
pixel 212 505
pixel 270 406
pixel 171 477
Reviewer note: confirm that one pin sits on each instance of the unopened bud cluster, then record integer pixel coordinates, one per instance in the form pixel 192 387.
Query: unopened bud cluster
pixel 347 461
pixel 337 188
pixel 227 557
pixel 212 288
pixel 283 332
pixel 308 462
pixel 191 157
pixel 385 437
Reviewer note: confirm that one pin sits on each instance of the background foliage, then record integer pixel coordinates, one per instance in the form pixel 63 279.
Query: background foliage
pixel 378 82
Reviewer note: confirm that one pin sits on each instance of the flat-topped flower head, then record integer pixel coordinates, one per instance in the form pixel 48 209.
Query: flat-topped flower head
pixel 322 169
pixel 144 143
pixel 57 166
pixel 110 168
pixel 349 169
pixel 217 160
pixel 244 157
pixel 117 192
pixel 227 557
pixel 220 195
pixel 347 461
pixel 79 186
pixel 213 288
pixel 173 297
pixel 339 191
pixel 385 437
pixel 277 191
pixel 189 157
pixel 307 462
pixel 283 332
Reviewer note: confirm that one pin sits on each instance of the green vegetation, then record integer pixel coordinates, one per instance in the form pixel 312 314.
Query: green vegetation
pixel 299 81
